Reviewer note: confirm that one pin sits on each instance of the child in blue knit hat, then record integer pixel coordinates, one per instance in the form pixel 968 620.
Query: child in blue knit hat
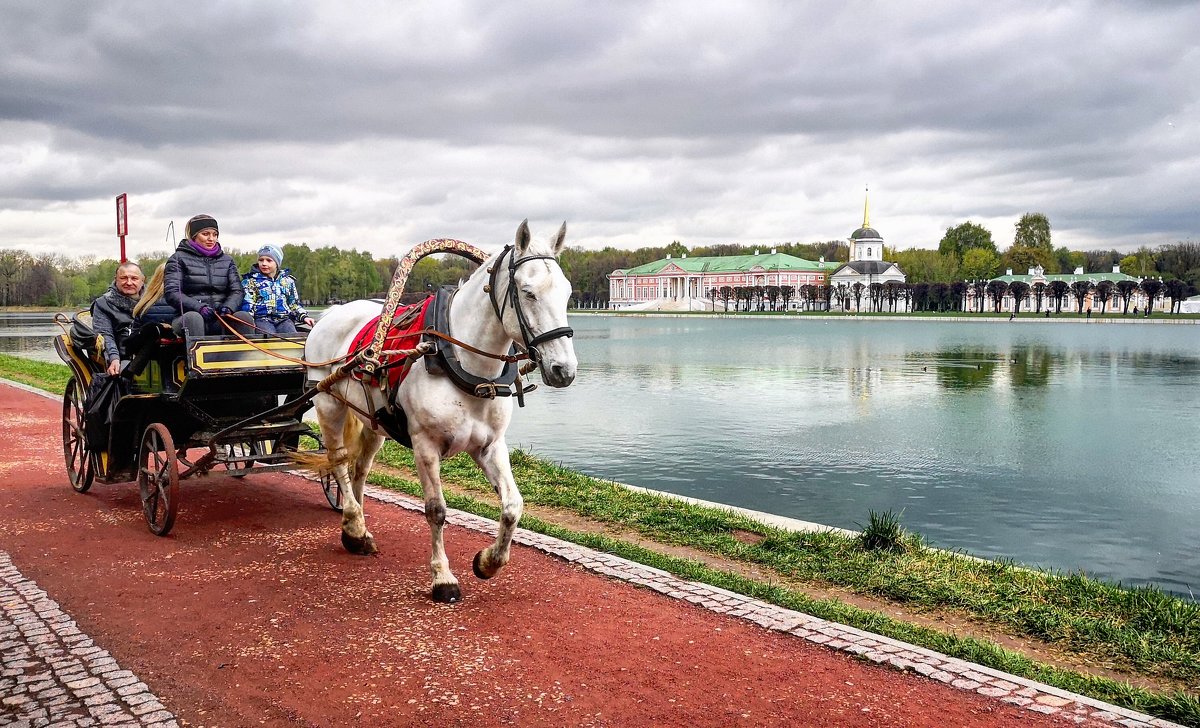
pixel 271 295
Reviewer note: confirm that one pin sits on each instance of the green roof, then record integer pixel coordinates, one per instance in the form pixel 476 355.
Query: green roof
pixel 1070 277
pixel 728 263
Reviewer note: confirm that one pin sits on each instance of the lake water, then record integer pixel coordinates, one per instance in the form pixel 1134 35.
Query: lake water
pixel 1064 446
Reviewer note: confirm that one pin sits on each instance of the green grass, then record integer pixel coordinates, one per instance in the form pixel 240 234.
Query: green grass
pixel 1141 630
pixel 43 375
pixel 1176 706
pixel 882 533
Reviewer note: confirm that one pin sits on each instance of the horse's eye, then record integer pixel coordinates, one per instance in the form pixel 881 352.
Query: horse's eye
pixel 530 296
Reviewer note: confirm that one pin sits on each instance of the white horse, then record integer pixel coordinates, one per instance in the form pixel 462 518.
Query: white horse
pixel 523 302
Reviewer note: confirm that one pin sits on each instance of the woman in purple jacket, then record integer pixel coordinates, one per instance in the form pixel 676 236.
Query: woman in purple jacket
pixel 201 282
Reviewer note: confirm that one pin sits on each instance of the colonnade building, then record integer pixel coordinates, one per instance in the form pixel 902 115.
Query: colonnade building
pixel 680 282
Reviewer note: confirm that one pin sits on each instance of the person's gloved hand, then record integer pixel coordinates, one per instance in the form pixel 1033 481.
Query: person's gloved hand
pixel 208 313
pixel 225 310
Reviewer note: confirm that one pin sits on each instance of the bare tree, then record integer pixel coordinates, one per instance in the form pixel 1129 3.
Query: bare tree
pixel 725 294
pixel 997 289
pixel 1176 290
pixel 876 291
pixel 978 291
pixel 771 294
pixel 1103 293
pixel 1039 293
pixel 13 266
pixel 1125 290
pixel 1080 289
pixel 957 291
pixel 856 289
pixel 1058 291
pixel 892 291
pixel 1019 290
pixel 787 293
pixel 1152 287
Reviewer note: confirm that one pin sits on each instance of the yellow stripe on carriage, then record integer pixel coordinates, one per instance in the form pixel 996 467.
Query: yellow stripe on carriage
pixel 81 368
pixel 210 356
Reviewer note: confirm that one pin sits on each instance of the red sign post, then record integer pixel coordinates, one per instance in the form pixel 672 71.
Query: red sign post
pixel 122 223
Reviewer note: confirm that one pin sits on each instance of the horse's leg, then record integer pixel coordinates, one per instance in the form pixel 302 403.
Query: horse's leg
pixel 428 460
pixel 493 461
pixel 368 447
pixel 332 416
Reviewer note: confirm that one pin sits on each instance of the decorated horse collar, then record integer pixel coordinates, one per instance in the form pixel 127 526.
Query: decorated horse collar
pixel 443 359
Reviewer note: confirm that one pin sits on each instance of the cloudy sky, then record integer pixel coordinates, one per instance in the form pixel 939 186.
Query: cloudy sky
pixel 376 125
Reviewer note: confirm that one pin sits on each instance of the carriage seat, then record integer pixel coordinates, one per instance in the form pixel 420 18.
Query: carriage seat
pixel 144 344
pixel 87 344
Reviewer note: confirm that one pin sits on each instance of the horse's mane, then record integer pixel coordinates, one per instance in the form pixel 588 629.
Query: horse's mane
pixel 153 291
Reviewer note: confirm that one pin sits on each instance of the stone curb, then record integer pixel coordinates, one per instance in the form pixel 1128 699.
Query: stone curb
pixel 52 674
pixel 1019 691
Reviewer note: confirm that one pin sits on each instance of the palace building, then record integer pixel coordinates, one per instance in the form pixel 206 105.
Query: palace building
pixel 687 283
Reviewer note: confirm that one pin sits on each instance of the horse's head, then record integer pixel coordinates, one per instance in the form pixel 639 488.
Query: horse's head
pixel 537 297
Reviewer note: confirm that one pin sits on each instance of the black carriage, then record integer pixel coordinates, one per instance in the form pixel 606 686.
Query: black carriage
pixel 184 407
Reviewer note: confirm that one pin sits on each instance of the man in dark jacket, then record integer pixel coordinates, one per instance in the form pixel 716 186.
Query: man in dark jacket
pixel 201 282
pixel 112 312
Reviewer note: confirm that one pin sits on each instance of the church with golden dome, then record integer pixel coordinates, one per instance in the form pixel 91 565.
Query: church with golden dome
pixel 866 266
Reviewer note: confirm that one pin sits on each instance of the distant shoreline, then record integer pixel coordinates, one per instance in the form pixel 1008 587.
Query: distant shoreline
pixel 959 317
pixel 1072 318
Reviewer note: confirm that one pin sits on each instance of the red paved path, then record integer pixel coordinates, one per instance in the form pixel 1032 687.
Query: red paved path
pixel 251 613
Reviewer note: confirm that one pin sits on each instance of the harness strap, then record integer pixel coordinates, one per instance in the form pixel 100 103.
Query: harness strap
pixel 566 331
pixel 444 360
pixel 510 296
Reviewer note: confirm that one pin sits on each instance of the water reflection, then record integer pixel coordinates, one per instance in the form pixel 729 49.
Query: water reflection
pixel 28 335
pixel 1057 446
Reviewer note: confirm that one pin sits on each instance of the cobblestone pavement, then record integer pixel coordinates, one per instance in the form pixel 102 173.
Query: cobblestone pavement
pixel 51 674
pixel 54 675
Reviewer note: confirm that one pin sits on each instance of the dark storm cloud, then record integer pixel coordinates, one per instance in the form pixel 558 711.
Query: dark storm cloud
pixel 678 119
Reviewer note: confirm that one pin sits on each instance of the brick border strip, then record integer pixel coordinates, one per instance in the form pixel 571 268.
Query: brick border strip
pixel 959 674
pixel 51 673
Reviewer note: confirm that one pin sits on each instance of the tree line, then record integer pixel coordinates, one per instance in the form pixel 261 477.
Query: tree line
pixel 325 274
pixel 968 252
pixel 965 256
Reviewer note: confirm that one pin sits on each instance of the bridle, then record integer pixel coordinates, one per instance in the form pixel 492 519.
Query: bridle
pixel 529 341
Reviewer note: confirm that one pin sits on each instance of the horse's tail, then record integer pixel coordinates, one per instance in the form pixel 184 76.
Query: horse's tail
pixel 324 463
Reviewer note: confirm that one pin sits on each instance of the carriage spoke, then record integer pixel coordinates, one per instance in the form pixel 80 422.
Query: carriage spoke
pixel 158 479
pixel 75 453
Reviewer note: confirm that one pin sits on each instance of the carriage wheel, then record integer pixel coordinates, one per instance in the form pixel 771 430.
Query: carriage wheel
pixel 80 467
pixel 158 479
pixel 333 491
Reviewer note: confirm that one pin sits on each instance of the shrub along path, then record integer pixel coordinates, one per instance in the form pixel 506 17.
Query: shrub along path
pixel 251 612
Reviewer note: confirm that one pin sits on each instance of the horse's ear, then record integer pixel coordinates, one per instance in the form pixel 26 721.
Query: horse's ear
pixel 521 242
pixel 560 238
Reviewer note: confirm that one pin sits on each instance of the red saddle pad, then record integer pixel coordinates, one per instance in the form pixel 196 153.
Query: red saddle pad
pixel 398 337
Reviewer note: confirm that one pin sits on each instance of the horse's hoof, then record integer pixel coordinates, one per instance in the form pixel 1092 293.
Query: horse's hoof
pixel 364 546
pixel 475 566
pixel 447 593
